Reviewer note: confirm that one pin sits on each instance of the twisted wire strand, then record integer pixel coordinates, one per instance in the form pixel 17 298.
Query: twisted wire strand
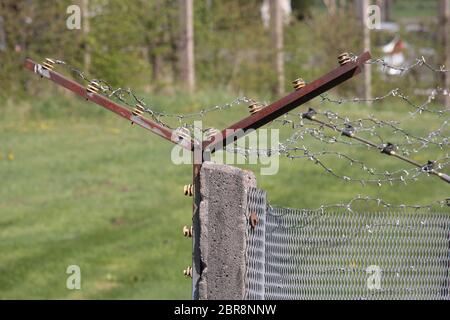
pixel 316 131
pixel 350 205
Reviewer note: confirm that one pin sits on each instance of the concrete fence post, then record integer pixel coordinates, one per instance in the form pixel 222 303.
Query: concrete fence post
pixel 221 249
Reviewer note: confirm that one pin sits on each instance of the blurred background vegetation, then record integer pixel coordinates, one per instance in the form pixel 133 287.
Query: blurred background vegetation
pixel 137 43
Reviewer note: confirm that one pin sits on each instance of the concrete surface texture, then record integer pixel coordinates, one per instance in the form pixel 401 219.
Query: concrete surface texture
pixel 222 228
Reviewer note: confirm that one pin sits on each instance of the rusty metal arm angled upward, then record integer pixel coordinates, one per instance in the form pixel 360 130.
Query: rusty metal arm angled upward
pixel 103 101
pixel 286 104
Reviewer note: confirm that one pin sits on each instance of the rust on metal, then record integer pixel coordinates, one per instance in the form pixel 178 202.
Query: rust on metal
pixel 259 116
pixel 103 101
pixel 287 103
pixel 253 220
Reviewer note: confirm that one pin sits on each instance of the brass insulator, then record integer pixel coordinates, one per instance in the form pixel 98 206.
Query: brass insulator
pixel 344 58
pixel 209 133
pixel 298 83
pixel 187 232
pixel 188 272
pixel 183 132
pixel 93 87
pixel 255 107
pixel 188 190
pixel 48 64
pixel 138 110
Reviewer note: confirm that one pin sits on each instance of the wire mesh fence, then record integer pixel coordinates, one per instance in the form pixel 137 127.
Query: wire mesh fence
pixel 347 254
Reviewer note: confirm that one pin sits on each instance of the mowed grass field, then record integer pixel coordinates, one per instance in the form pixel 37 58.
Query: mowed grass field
pixel 82 186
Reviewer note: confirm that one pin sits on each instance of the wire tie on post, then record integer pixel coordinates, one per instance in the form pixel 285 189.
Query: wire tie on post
pixel 348 131
pixel 389 149
pixel 429 167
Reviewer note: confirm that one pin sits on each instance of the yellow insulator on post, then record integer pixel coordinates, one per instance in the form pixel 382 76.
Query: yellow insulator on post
pixel 188 190
pixel 138 110
pixel 187 232
pixel 188 272
pixel 344 58
pixel 209 133
pixel 255 107
pixel 48 64
pixel 93 87
pixel 298 83
pixel 183 133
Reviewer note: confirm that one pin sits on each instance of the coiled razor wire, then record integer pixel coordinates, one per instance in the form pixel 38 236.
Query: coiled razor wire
pixel 346 254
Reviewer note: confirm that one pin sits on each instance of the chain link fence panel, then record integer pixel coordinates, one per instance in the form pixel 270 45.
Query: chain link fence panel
pixel 346 255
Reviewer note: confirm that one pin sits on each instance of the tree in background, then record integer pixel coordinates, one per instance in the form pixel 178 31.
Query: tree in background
pixel 137 43
pixel 276 23
pixel 86 29
pixel 187 64
pixel 386 7
pixel 364 16
pixel 32 28
pixel 444 26
pixel 302 9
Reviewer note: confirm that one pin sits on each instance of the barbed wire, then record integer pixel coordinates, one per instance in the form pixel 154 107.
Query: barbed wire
pixel 350 205
pixel 431 167
pixel 119 92
pixel 288 149
pixel 397 93
pixel 358 126
pixel 389 149
pixel 130 98
pixel 334 121
pixel 418 62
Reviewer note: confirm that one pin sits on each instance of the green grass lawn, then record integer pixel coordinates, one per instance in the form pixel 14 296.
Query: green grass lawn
pixel 81 186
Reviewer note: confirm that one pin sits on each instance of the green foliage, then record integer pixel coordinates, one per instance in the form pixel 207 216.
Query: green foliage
pixel 302 8
pixel 34 29
pixel 135 43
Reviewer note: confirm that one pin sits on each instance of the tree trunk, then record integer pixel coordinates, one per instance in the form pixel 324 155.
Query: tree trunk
pixel 331 6
pixel 276 21
pixel 444 25
pixel 86 29
pixel 385 6
pixel 366 41
pixel 187 64
pixel 2 35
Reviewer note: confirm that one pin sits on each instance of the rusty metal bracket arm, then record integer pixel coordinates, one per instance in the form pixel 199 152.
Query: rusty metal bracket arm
pixel 287 103
pixel 103 101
